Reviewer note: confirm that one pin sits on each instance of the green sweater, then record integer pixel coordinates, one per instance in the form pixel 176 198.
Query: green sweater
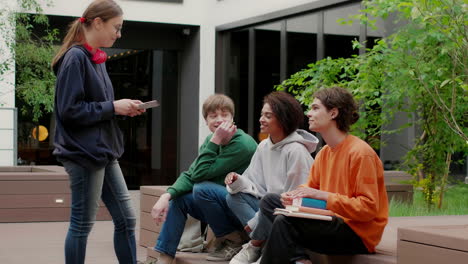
pixel 215 161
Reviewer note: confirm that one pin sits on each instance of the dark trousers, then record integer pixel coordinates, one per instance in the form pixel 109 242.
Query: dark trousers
pixel 291 235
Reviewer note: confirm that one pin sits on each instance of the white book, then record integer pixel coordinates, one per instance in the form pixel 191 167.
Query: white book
pixel 286 212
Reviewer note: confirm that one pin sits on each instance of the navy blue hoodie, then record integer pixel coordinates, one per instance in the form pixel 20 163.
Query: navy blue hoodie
pixel 86 127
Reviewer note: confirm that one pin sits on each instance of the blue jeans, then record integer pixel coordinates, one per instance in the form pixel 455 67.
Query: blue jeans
pixel 207 203
pixel 243 205
pixel 87 186
pixel 263 228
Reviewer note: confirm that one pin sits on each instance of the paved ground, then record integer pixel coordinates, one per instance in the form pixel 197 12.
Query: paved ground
pixel 42 243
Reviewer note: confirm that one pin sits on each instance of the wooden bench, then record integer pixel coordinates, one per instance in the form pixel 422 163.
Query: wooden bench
pixel 386 250
pixel 433 244
pixel 391 243
pixel 450 245
pixel 398 186
pixel 37 194
pixel 149 231
pixel 394 182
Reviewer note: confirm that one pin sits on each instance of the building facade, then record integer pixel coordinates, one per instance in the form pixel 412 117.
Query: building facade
pixel 180 52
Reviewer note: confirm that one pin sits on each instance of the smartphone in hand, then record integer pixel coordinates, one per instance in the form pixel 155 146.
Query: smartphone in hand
pixel 149 104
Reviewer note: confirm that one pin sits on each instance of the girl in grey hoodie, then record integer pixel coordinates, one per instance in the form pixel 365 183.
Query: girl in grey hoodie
pixel 280 163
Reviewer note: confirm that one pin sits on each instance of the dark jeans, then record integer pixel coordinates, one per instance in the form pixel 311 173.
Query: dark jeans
pixel 291 235
pixel 87 186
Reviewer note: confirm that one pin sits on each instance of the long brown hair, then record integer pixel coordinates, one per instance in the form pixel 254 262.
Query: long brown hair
pixel 104 9
pixel 341 99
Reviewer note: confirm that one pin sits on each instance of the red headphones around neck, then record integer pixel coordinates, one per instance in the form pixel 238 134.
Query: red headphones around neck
pixel 98 57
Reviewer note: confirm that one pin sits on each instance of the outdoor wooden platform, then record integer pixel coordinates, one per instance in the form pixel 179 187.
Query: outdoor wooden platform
pixel 37 194
pixel 433 244
pixel 386 250
pixel 186 258
pixel 42 242
pixel 398 186
pixel 149 231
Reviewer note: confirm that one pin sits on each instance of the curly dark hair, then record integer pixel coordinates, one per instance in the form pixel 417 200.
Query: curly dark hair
pixel 343 100
pixel 286 109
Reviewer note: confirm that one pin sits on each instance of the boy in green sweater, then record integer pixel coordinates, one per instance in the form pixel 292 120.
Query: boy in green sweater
pixel 200 191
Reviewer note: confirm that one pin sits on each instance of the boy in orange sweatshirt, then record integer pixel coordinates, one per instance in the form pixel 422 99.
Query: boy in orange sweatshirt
pixel 348 175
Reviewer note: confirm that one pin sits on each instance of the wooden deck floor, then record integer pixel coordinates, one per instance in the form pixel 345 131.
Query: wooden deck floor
pixel 42 243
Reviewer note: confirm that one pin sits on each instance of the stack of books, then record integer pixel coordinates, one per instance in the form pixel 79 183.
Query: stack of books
pixel 306 208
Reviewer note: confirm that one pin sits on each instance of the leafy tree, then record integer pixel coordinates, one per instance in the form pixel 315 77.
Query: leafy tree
pixel 33 53
pixel 421 69
pixel 6 25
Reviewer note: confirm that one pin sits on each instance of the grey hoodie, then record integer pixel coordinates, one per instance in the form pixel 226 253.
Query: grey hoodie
pixel 277 168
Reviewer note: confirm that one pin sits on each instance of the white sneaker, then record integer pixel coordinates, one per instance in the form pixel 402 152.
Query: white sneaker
pixel 258 261
pixel 248 254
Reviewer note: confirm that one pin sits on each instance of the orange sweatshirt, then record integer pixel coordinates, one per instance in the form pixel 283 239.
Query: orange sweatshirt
pixel 353 174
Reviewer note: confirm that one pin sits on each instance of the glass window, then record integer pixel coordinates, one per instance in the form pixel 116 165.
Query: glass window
pixel 267 65
pixel 237 71
pixel 147 75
